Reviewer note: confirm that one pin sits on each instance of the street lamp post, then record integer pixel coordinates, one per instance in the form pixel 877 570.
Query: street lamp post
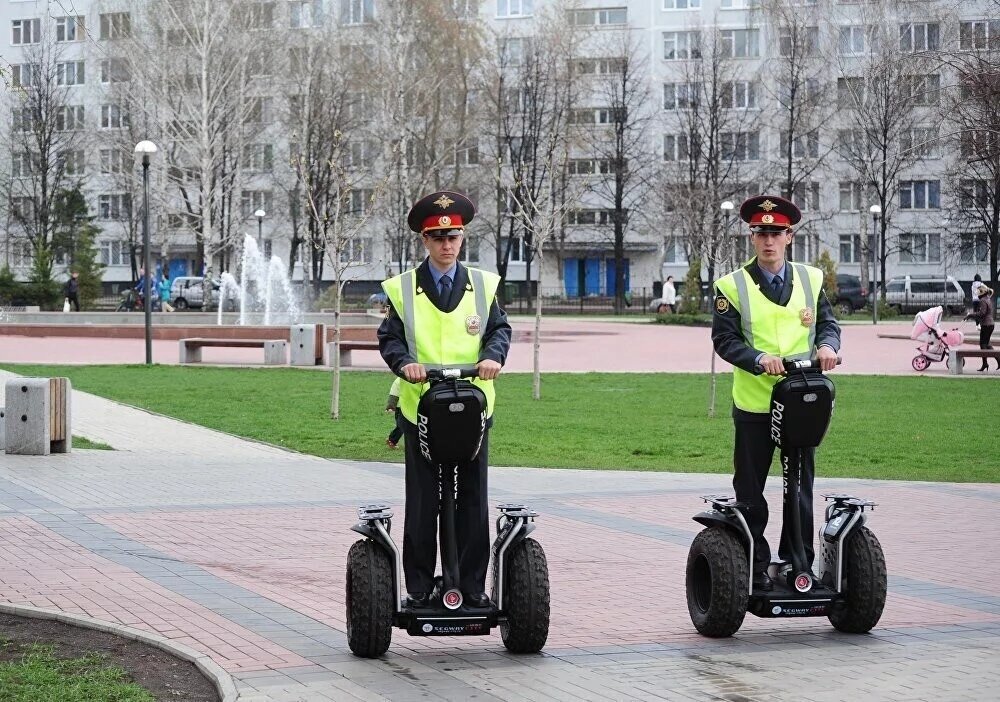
pixel 146 149
pixel 876 211
pixel 260 214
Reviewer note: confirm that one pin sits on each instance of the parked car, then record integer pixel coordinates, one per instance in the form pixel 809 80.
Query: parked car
pixel 851 295
pixel 188 292
pixel 912 293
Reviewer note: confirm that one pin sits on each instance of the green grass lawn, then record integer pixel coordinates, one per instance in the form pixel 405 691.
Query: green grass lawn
pixel 913 428
pixel 38 676
pixel 82 442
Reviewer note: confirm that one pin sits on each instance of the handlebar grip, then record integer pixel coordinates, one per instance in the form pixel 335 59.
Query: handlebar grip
pixel 804 364
pixel 444 373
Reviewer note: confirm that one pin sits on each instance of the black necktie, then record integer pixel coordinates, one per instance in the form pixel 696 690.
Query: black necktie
pixel 776 287
pixel 444 285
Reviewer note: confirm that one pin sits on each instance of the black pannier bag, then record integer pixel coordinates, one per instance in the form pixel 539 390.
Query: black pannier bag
pixel 451 420
pixel 801 407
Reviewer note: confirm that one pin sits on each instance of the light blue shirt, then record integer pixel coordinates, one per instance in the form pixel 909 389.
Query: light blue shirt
pixel 437 274
pixel 769 276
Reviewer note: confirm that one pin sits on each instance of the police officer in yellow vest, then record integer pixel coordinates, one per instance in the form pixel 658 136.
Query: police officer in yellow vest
pixel 765 311
pixel 443 314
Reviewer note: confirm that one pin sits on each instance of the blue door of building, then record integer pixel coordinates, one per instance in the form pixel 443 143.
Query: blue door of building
pixel 571 276
pixel 609 279
pixel 592 276
pixel 178 268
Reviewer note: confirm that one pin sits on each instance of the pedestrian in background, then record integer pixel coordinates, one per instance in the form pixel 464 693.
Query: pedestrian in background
pixel 392 405
pixel 976 290
pixel 670 294
pixel 983 316
pixel 165 293
pixel 72 292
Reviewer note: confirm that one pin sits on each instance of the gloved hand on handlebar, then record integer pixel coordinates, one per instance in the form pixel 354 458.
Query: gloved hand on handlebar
pixel 416 373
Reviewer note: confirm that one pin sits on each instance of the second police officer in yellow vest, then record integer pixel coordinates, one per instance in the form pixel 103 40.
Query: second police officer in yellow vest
pixel 768 310
pixel 443 314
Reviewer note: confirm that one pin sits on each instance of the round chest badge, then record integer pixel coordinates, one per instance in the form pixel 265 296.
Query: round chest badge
pixel 427 628
pixel 473 323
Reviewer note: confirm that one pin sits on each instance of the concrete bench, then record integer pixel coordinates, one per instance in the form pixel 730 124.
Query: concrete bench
pixel 956 360
pixel 275 350
pixel 37 420
pixel 345 350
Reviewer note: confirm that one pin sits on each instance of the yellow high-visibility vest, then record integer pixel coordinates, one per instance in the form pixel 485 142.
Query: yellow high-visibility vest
pixel 786 332
pixel 442 339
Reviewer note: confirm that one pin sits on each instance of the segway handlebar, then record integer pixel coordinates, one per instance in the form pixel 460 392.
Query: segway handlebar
pixel 804 364
pixel 445 373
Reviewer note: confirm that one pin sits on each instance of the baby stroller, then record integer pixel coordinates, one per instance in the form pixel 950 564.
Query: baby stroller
pixel 131 301
pixel 937 342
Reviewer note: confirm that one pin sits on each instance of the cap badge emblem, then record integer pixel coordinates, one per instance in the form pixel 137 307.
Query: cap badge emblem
pixel 444 221
pixel 767 219
pixel 444 202
pixel 767 205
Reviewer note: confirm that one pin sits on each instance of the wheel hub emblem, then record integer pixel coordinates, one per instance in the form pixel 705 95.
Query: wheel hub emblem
pixel 452 599
pixel 803 583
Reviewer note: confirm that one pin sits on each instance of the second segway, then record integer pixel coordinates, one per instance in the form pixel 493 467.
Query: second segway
pixel 851 586
pixel 451 425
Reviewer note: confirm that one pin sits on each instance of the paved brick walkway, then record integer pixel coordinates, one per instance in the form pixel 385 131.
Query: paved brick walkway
pixel 237 550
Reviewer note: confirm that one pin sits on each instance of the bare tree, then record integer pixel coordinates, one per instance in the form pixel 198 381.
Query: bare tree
pixel 46 143
pixel 626 155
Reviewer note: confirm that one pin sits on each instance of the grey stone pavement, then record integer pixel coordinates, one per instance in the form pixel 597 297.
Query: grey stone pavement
pixel 237 550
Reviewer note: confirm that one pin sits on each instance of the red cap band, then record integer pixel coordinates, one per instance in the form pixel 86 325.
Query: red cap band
pixel 445 221
pixel 774 219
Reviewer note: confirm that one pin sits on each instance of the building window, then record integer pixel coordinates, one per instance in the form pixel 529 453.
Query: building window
pixel 850 248
pixel 803 146
pixel 260 111
pixel 114 161
pixel 25 75
pixel 470 250
pixel 253 200
pixel 465 9
pixel 801 247
pixel 357 11
pixel 464 154
pixel 919 36
pixel 804 195
pixel 113 117
pixel 919 194
pixel 358 250
pixel 514 49
pixel 850 142
pixel 980 34
pixel 740 146
pixel 114 71
pixel 600 17
pixel 590 166
pixel 597 66
pixel 70 28
pixel 515 8
pixel 69 73
pixel 258 15
pixel 851 196
pixel 854 39
pixel 804 42
pixel 307 13
pixel 116 25
pixel 69 118
pixel 361 201
pixel 973 248
pixel 360 153
pixel 742 4
pixel 74 161
pixel 114 253
pixel 925 89
pixel 680 46
pixel 972 194
pixel 680 96
pixel 584 217
pixel 258 158
pixel 850 91
pixel 975 143
pixel 25 31
pixel 681 4
pixel 920 248
pixel 673 250
pixel 22 208
pixel 920 142
pixel 739 94
pixel 23 164
pixel 675 147
pixel 740 43
pixel 115 206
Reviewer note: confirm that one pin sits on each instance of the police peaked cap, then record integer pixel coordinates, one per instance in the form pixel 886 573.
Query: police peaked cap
pixel 769 213
pixel 439 212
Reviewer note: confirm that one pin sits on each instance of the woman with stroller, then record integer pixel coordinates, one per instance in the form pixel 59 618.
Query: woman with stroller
pixel 983 316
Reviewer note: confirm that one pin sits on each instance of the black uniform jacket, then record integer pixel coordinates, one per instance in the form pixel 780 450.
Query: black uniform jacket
pixel 727 329
pixel 392 336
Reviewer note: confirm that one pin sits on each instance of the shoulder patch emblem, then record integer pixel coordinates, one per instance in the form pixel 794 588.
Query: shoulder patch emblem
pixel 721 304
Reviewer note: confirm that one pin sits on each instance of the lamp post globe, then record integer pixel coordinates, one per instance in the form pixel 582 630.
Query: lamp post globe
pixel 145 150
pixel 260 214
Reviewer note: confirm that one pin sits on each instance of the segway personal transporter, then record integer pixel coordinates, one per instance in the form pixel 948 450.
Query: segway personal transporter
pixel 451 424
pixel 851 585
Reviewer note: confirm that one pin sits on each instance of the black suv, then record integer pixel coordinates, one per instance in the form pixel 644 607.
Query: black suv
pixel 850 295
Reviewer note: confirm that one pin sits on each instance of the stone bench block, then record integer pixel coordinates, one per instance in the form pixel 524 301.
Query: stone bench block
pixel 3 441
pixel 27 422
pixel 275 353
pixel 303 345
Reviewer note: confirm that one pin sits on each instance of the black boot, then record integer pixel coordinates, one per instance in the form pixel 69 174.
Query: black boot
pixel 984 366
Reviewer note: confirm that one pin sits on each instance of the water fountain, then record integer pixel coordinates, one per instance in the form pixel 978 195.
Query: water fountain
pixel 263 289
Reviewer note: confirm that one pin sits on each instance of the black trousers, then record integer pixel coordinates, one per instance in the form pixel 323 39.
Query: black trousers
pixel 420 530
pixel 752 461
pixel 984 338
pixel 75 299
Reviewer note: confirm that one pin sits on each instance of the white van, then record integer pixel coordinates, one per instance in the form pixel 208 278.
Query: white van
pixel 912 293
